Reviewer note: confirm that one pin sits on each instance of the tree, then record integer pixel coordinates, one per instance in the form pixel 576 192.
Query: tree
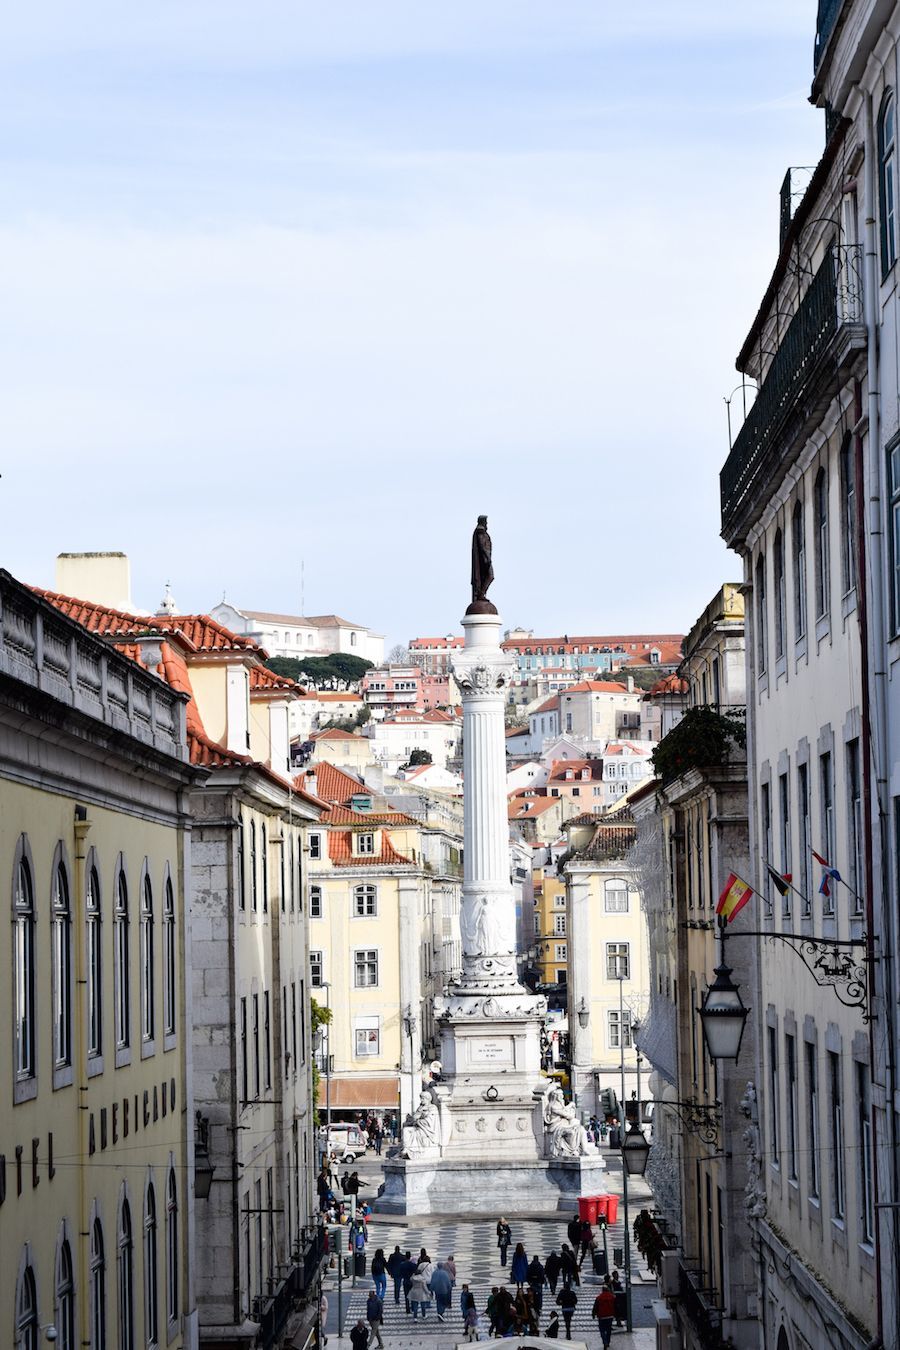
pixel 399 655
pixel 337 666
pixel 419 757
pixel 318 1017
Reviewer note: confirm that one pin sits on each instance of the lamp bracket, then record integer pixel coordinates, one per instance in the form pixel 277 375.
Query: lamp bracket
pixel 697 1118
pixel 831 962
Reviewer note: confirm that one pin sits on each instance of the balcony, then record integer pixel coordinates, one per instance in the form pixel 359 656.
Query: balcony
pixel 694 1305
pixel 826 330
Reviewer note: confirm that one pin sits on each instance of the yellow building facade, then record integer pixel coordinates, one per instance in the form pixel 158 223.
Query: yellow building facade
pixel 550 926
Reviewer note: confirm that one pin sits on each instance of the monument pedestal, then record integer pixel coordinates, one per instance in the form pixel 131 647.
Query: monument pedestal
pixel 488 1187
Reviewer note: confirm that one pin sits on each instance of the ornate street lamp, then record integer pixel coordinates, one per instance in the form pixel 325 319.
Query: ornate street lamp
pixel 723 1015
pixel 584 1013
pixel 203 1167
pixel 635 1152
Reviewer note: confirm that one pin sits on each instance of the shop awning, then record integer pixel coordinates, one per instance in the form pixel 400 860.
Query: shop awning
pixel 357 1091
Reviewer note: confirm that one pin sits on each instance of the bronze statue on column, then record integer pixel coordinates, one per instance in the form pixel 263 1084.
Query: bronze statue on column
pixel 482 570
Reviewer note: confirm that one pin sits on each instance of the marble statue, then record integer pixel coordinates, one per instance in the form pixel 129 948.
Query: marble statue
pixel 482 568
pixel 755 1202
pixel 487 929
pixel 422 1130
pixel 566 1136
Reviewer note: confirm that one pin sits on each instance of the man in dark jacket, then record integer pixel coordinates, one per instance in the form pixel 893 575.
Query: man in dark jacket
pixel 566 1299
pixel 536 1280
pixel 573 1229
pixel 569 1266
pixel 551 1269
pixel 359 1335
pixel 406 1272
pixel 394 1262
pixel 375 1316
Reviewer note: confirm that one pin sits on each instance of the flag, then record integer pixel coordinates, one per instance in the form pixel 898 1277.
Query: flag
pixel 829 874
pixel 782 883
pixel 735 895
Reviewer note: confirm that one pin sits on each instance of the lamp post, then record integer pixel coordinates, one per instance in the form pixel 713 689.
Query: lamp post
pixel 620 969
pixel 325 1040
pixel 722 1012
pixel 409 1026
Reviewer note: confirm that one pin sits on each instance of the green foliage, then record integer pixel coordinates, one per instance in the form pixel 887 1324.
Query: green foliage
pixel 419 757
pixel 337 666
pixel 318 1017
pixel 703 739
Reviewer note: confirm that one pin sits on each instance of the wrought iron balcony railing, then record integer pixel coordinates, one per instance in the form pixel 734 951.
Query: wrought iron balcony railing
pixel 833 302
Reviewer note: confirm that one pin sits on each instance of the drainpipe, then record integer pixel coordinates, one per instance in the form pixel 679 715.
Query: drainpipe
pixel 874 721
pixel 79 930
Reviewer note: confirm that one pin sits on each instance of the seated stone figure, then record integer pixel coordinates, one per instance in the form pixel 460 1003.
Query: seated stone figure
pixel 566 1136
pixel 422 1131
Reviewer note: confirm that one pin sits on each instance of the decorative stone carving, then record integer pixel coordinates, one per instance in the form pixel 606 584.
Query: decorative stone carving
pixel 755 1203
pixel 502 1124
pixel 481 1124
pixel 521 1124
pixel 422 1131
pixel 566 1136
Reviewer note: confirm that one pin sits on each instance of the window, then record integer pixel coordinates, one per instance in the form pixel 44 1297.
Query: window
pixel 366 1038
pixel 151 1284
pixel 894 484
pixel 836 1142
pixel 559 924
pixel 562 949
pixel 315 846
pixel 27 1328
pixel 537 923
pixel 65 1298
pixel 148 964
pixel 241 882
pixel 812 1118
pixel 761 616
pixel 264 850
pixel 25 973
pixel 886 182
pixel 774 1141
pixel 618 1028
pixel 798 547
pixel 315 902
pixel 784 811
pixel 568 721
pixel 253 866
pixel 365 968
pixel 820 543
pixel 267 1042
pixel 270 1226
pixel 315 970
pixel 778 579
pixel 169 959
pixel 122 965
pixel 864 1153
pixel 245 1074
pixel 615 896
pixel 790 1067
pixel 62 969
pixel 805 838
pixel 365 844
pixel 765 827
pixel 172 1303
pixel 254 1004
pixel 854 826
pixel 617 961
pixel 126 1278
pixel 848 515
pixel 98 1288
pixel 826 789
pixel 365 900
pixel 94 965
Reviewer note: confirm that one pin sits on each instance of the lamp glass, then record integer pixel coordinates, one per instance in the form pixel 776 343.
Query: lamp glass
pixel 203 1175
pixel 723 1017
pixel 635 1152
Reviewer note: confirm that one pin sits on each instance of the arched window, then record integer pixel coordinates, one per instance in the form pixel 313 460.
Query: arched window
pixel 798 552
pixel 169 958
pixel 24 969
pixel 615 900
pixel 820 543
pixel 65 1298
pixel 264 848
pixel 293 876
pixel 778 578
pixel 151 1281
pixel 761 616
pixel 126 1278
pixel 848 516
pixel 94 964
pixel 887 132
pixel 241 887
pixel 172 1248
pixel 148 1004
pixel 122 964
pixel 253 897
pixel 61 949
pixel 98 1288
pixel 27 1327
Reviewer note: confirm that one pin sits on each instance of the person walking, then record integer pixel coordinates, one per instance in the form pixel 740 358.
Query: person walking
pixel 504 1238
pixel 536 1281
pixel 470 1316
pixel 573 1231
pixel 449 1264
pixel 551 1269
pixel 375 1315
pixel 551 1331
pixel 621 1298
pixel 394 1262
pixel 441 1286
pixel 354 1185
pixel 359 1335
pixel 418 1292
pixel 587 1238
pixel 379 1273
pixel 519 1270
pixel 379 1137
pixel 567 1300
pixel 323 1315
pixel 604 1310
pixel 406 1272
pixel 570 1274
pixel 323 1189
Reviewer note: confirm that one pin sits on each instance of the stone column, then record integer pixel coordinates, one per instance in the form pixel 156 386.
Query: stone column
pixel 487 913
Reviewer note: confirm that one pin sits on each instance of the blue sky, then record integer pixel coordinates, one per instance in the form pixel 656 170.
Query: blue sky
pixel 295 281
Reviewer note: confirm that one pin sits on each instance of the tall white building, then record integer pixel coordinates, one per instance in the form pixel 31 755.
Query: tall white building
pixel 295 635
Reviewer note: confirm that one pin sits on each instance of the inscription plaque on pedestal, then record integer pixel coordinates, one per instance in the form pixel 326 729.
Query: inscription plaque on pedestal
pixel 484 1051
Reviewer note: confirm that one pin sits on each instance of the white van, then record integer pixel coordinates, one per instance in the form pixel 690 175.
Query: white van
pixel 346 1141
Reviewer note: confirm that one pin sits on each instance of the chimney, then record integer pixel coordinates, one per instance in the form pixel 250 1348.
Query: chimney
pixel 629 683
pixel 102 578
pixel 311 785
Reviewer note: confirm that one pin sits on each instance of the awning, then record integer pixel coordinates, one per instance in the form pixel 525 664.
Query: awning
pixel 359 1091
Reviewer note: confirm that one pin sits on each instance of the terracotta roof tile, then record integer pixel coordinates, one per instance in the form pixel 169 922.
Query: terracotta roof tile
pixel 669 684
pixel 345 815
pixel 549 705
pixel 340 851
pixel 597 687
pixel 334 785
pixel 561 767
pixel 261 677
pixel 335 734
pixel 199 631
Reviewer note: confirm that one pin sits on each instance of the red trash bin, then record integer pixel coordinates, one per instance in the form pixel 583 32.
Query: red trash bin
pixel 602 1207
pixel 587 1208
pixel 612 1208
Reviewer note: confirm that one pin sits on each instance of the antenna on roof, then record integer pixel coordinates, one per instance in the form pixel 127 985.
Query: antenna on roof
pixel 302 586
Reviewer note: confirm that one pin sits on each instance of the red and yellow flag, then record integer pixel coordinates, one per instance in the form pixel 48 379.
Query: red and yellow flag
pixel 734 897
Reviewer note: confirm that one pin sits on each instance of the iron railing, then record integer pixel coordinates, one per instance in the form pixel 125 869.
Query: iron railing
pixel 706 1320
pixel 832 301
pixel 274 1309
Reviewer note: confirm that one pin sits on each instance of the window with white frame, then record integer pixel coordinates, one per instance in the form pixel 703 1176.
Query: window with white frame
pixel 172 1283
pixel 562 951
pixel 365 901
pixel 615 896
pixel 826 800
pixel 315 902
pixel 169 959
pixel 820 543
pixel 887 182
pixel 366 1037
pixel 125 1277
pixel 315 969
pixel 855 825
pixel 315 846
pixel 559 924
pixel 365 967
pixel 618 961
pixel 94 965
pixel 836 1140
pixel 151 1277
pixel 894 530
pixel 62 969
pixel 847 465
pixel 798 554
pixel 148 1009
pixel 618 1027
pixel 864 1155
pixel 365 844
pixel 25 972
pixel 122 964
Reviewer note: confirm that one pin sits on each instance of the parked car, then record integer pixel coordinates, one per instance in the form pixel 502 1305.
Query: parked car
pixel 347 1142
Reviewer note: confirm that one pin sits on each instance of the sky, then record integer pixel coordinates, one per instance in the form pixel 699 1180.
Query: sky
pixel 291 292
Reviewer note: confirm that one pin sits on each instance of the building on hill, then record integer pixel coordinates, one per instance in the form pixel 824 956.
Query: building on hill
pixel 395 738
pixel 594 711
pixel 384 931
pixel 251 1062
pixel 534 817
pixel 294 635
pixel 98 1138
pixel 387 689
pixel 349 750
pixel 626 764
pixel 579 782
pixel 662 707
pixel 434 655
